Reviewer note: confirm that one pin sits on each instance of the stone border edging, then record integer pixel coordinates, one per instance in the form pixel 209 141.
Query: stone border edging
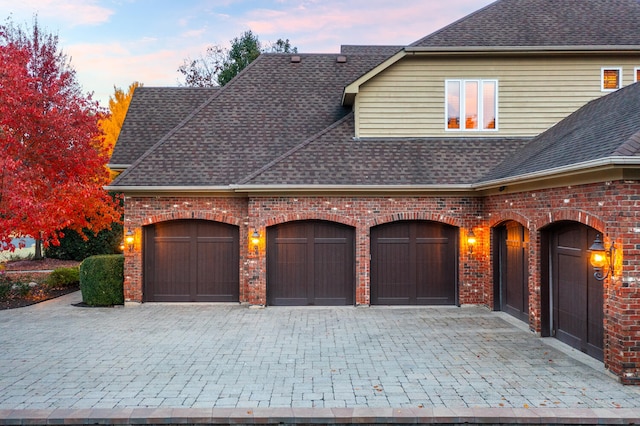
pixel 330 416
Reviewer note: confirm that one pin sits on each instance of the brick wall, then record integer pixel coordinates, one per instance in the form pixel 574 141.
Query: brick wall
pixel 612 208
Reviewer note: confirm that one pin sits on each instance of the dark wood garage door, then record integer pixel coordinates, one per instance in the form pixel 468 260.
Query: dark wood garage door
pixel 577 297
pixel 310 263
pixel 414 263
pixel 512 287
pixel 191 261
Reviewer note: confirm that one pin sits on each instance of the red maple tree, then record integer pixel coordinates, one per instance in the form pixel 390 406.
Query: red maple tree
pixel 52 160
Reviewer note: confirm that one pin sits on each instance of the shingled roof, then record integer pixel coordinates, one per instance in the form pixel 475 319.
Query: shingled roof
pixel 334 157
pixel 154 111
pixel 529 23
pixel 605 127
pixel 269 108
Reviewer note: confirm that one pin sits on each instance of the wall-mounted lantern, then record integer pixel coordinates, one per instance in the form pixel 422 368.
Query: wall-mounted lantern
pixel 255 237
pixel 471 241
pixel 602 258
pixel 130 240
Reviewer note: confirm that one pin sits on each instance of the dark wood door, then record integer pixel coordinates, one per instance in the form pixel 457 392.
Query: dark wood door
pixel 310 263
pixel 191 261
pixel 513 270
pixel 577 297
pixel 414 263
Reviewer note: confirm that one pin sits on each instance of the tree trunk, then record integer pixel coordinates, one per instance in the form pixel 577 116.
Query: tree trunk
pixel 38 248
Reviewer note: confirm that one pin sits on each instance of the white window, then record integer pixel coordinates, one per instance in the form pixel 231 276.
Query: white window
pixel 611 79
pixel 471 105
pixel 636 72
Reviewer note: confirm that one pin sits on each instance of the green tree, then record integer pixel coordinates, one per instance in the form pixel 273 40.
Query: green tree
pixel 218 65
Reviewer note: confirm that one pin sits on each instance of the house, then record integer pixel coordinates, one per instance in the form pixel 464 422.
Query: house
pixel 477 165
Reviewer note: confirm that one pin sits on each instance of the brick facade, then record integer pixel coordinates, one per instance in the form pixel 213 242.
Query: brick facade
pixel 612 208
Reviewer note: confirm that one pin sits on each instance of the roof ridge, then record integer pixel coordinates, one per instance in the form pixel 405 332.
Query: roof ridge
pixel 171 132
pixel 295 149
pixel 631 147
pixel 464 18
pixel 182 123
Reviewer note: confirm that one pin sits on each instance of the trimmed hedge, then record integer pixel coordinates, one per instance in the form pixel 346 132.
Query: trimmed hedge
pixel 63 277
pixel 102 280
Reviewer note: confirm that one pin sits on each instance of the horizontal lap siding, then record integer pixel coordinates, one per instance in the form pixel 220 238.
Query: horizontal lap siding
pixel 407 100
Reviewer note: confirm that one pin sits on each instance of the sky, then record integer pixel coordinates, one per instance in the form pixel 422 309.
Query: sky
pixel 113 43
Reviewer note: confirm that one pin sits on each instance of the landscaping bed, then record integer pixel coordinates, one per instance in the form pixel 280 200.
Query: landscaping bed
pixel 27 279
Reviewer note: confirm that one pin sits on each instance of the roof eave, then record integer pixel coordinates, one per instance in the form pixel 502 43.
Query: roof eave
pixel 353 188
pixel 484 50
pixel 168 189
pixel 564 171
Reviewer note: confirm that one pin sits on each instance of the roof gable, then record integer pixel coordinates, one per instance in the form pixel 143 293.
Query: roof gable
pixel 522 23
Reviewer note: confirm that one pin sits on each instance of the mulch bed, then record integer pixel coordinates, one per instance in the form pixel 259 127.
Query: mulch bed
pixel 40 292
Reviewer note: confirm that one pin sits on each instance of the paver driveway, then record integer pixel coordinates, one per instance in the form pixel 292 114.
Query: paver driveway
pixel 55 355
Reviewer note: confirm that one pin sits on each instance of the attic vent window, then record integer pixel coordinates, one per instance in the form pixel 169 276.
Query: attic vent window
pixel 295 59
pixel 341 59
pixel 637 70
pixel 611 79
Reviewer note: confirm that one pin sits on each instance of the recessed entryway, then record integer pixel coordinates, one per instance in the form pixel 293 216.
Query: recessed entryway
pixel 310 263
pixel 191 261
pixel 414 263
pixel 573 304
pixel 511 270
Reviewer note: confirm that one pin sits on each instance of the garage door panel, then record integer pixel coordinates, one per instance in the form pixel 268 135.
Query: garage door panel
pixel 310 263
pixel 290 272
pixel 413 262
pixel 392 266
pixel 577 297
pixel 191 261
pixel 329 269
pixel 217 281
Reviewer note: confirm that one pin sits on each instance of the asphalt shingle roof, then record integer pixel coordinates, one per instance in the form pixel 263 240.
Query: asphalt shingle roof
pixel 270 107
pixel 334 157
pixel 154 111
pixel 605 127
pixel 354 49
pixel 543 23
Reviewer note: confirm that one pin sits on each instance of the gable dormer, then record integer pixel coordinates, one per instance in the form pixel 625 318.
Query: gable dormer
pixel 512 69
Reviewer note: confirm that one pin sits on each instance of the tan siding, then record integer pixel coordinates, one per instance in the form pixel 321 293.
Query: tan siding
pixel 407 99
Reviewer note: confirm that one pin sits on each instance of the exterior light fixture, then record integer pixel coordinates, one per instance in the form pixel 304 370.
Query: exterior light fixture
pixel 471 241
pixel 130 240
pixel 255 237
pixel 602 258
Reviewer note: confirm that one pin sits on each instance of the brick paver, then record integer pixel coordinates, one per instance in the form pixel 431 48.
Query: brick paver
pixel 58 356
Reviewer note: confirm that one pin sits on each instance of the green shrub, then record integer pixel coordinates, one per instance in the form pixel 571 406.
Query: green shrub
pixel 63 277
pixel 74 247
pixel 5 288
pixel 102 280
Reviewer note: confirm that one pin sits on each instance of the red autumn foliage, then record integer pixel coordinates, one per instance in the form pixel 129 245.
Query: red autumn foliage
pixel 52 162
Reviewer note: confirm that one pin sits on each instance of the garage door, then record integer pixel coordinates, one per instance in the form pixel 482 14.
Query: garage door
pixel 414 263
pixel 310 263
pixel 512 290
pixel 191 261
pixel 577 297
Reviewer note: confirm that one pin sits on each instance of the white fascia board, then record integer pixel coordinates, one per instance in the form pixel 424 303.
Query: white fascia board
pixel 586 166
pixel 351 90
pixel 523 49
pixel 353 188
pixel 173 189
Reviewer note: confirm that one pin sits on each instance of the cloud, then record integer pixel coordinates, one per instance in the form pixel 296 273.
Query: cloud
pixel 71 12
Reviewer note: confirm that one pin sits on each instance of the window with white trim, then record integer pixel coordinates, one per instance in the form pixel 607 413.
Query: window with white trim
pixel 636 72
pixel 611 79
pixel 471 105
